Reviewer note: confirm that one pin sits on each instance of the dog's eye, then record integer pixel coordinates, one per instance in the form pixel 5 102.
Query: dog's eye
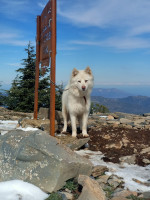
pixel 79 81
pixel 86 81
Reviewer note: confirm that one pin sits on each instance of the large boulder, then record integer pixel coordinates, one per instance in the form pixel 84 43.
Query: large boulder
pixel 44 113
pixel 40 159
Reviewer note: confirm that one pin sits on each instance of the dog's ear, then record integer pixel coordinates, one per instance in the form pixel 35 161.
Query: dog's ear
pixel 88 70
pixel 74 72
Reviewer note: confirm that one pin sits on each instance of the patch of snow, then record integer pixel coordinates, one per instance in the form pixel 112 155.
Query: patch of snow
pixel 9 125
pixel 17 189
pixel 28 129
pixel 130 172
pixel 103 116
pixel 125 171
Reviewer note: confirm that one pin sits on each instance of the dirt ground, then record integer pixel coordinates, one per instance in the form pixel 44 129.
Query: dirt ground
pixel 116 142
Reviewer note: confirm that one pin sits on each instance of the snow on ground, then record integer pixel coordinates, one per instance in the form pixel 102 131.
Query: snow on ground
pixel 126 171
pixel 8 125
pixel 17 189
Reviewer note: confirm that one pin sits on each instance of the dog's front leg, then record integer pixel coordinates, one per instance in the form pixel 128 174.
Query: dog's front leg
pixel 84 125
pixel 64 113
pixel 73 123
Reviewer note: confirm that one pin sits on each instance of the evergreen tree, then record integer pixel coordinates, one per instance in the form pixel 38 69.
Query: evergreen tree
pixel 44 89
pixel 1 97
pixel 59 91
pixel 95 108
pixel 21 95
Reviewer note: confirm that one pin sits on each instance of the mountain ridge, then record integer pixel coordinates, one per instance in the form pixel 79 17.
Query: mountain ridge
pixel 131 104
pixel 110 93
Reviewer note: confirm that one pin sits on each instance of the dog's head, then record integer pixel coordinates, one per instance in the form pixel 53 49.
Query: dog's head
pixel 82 79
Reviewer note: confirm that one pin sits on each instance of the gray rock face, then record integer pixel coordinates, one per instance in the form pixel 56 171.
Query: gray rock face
pixel 38 158
pixel 44 113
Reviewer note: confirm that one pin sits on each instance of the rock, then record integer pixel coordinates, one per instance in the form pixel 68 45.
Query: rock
pixel 142 183
pixel 146 195
pixel 146 161
pixel 124 194
pixel 119 198
pixel 125 121
pixel 69 196
pixel 46 126
pixel 128 159
pixel 139 121
pixel 41 124
pixel 110 117
pixel 32 122
pixel 99 170
pixel 103 179
pixel 91 189
pixel 117 145
pixel 6 114
pixel 44 113
pixel 78 143
pixel 38 158
pixel 114 181
pixel 115 115
pixel 146 150
pixel 146 114
pixel 113 122
pixel 125 141
pixel 107 136
pixel 71 142
pixel 58 116
pixel 139 126
pixel 147 127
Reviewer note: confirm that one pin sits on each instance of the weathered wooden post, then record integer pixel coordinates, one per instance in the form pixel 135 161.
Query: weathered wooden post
pixel 53 66
pixel 37 66
pixel 46 55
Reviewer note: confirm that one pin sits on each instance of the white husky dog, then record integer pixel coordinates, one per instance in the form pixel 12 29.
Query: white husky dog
pixel 76 100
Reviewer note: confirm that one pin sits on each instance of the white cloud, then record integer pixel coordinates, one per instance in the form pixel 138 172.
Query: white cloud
pixel 12 37
pixel 103 13
pixel 21 10
pixel 42 5
pixel 128 20
pixel 118 43
pixel 139 30
pixel 14 64
pixel 12 8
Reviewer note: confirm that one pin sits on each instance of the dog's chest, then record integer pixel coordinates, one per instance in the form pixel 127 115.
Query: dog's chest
pixel 79 105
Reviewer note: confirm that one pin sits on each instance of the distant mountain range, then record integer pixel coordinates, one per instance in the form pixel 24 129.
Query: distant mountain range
pixel 119 101
pixel 110 93
pixel 131 104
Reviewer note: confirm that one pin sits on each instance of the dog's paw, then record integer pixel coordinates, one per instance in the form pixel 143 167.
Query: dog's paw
pixel 85 135
pixel 74 135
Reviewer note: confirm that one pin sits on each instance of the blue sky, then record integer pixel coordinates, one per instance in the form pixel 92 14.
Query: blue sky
pixel 111 36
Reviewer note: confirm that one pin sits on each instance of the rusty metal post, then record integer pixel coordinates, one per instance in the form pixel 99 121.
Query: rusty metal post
pixel 37 67
pixel 53 66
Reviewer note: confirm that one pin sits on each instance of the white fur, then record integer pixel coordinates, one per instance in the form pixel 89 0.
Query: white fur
pixel 76 100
